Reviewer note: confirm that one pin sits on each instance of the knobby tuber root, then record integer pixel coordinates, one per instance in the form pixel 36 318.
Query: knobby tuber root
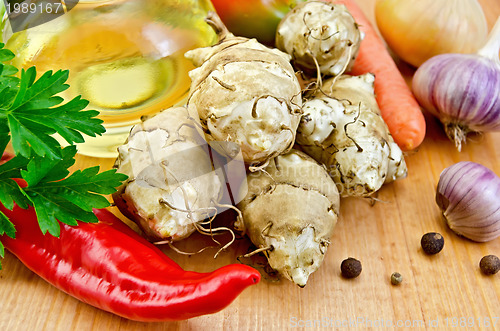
pixel 171 185
pixel 320 34
pixel 289 213
pixel 342 129
pixel 246 93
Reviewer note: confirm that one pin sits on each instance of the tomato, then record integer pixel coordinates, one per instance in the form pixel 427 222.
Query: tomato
pixel 253 18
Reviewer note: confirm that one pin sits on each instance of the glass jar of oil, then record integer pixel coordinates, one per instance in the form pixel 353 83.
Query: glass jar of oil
pixel 125 56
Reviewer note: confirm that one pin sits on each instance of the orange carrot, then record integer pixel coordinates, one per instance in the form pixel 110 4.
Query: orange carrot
pixel 399 108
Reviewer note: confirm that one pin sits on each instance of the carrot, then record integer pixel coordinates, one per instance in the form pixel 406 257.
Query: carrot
pixel 399 108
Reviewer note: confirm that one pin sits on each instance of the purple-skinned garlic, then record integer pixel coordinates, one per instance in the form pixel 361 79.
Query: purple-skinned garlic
pixel 468 194
pixel 463 90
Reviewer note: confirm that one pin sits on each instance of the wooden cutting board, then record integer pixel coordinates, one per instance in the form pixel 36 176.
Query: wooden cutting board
pixel 445 291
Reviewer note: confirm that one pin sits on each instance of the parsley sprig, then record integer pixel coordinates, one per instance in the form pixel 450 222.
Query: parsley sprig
pixel 31 112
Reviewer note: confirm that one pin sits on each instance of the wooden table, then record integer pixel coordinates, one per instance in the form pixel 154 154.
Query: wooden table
pixel 445 291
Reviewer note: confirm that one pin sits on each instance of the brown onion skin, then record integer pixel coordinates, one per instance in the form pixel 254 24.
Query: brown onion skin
pixel 468 193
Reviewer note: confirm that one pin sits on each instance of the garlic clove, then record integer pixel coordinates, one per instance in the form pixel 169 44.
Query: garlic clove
pixel 467 193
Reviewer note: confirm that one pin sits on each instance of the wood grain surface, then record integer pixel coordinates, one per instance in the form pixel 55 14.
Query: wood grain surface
pixel 445 291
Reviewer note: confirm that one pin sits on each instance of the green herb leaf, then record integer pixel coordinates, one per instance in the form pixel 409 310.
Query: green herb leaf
pixel 6 227
pixel 8 84
pixel 85 187
pixel 4 135
pixel 6 54
pixel 53 208
pixel 31 112
pixel 36 113
pixel 44 169
pixel 67 199
pixel 10 191
pixel 2 253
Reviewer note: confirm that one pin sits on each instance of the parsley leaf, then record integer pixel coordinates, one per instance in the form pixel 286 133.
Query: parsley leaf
pixel 10 192
pixel 6 227
pixel 31 112
pixel 66 199
pixel 35 114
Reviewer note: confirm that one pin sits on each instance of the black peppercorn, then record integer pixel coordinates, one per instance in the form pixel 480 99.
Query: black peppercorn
pixel 432 243
pixel 489 264
pixel 350 268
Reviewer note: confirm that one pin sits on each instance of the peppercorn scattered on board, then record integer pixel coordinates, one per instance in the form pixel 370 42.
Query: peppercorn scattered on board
pixel 442 291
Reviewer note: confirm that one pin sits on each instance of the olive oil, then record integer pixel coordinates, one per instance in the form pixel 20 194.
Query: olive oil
pixel 125 56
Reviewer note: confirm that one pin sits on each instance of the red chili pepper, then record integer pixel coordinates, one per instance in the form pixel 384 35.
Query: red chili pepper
pixel 109 266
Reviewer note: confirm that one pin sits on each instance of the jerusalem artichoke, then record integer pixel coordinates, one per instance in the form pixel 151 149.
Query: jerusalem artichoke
pixel 290 212
pixel 342 128
pixel 247 93
pixel 171 184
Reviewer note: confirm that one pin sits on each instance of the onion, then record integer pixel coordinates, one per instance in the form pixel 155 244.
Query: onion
pixel 416 30
pixel 468 194
pixel 463 90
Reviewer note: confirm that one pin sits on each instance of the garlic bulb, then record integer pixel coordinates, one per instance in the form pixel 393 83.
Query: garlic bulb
pixel 468 194
pixel 418 30
pixel 463 90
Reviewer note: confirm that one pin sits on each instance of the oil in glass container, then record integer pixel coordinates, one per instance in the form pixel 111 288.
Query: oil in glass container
pixel 125 56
